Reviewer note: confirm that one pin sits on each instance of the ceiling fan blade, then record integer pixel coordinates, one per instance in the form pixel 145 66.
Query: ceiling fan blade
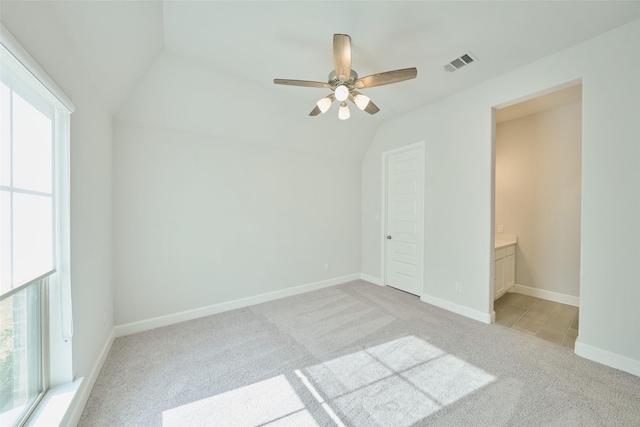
pixel 386 78
pixel 304 83
pixel 342 56
pixel 315 111
pixel 371 108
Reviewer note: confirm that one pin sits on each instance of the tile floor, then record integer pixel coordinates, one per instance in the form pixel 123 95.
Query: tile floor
pixel 545 319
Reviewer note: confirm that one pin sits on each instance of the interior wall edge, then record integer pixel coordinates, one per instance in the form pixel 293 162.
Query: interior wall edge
pixel 372 279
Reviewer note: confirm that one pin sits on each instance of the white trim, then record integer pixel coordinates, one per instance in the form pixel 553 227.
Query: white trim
pixel 62 166
pixel 371 279
pixel 608 358
pixel 383 208
pixel 72 417
pixel 538 94
pixel 55 404
pixel 46 83
pixel 170 319
pixel 459 309
pixel 548 295
pixel 60 349
pixel 25 285
pixel 383 223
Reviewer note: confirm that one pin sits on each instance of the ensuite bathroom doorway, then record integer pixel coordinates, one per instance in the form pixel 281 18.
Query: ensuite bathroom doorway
pixel 537 202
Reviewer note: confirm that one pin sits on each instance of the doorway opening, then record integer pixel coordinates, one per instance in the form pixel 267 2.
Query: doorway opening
pixel 537 202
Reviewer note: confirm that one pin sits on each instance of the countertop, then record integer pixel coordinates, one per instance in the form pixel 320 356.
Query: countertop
pixel 503 241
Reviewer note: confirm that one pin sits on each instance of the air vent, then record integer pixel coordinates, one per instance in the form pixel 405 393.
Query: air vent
pixel 460 62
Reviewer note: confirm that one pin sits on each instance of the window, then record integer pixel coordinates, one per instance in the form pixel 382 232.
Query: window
pixel 34 129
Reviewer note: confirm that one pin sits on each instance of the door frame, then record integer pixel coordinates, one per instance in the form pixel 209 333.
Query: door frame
pixel 383 210
pixel 551 296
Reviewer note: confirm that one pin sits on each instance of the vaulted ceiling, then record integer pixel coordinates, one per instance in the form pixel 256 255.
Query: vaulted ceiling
pixel 208 66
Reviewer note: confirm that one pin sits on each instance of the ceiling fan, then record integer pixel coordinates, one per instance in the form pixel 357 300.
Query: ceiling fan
pixel 344 81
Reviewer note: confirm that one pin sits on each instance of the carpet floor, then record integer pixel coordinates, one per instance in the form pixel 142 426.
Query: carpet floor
pixel 352 355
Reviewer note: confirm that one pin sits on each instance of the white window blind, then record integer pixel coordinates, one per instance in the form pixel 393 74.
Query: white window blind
pixel 26 185
pixel 27 167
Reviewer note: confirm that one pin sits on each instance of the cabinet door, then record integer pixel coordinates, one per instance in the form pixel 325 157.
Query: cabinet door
pixel 509 271
pixel 500 278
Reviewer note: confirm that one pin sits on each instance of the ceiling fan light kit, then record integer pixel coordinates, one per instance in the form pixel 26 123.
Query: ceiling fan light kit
pixel 342 93
pixel 343 82
pixel 324 104
pixel 361 100
pixel 343 113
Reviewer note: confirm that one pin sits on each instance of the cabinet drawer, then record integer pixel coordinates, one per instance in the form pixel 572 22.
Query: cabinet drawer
pixel 510 250
pixel 500 253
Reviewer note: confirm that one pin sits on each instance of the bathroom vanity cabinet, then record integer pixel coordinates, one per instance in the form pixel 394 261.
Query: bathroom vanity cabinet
pixel 505 268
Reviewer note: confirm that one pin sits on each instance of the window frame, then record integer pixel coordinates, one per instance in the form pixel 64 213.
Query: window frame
pixel 41 283
pixel 56 326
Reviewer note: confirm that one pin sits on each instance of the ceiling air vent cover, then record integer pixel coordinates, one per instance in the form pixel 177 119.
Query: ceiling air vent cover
pixel 460 62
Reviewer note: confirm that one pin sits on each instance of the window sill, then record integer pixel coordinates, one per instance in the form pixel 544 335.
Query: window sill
pixel 55 405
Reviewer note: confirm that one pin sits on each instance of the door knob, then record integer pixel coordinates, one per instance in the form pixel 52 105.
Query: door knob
pixel 389 237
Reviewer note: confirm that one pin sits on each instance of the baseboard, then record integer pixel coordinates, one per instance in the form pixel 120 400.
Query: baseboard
pixel 157 322
pixel 548 295
pixel 608 358
pixel 372 279
pixel 79 402
pixel 459 309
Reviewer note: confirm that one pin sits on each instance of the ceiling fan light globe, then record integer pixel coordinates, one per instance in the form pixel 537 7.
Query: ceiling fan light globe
pixel 343 113
pixel 361 101
pixel 342 93
pixel 324 104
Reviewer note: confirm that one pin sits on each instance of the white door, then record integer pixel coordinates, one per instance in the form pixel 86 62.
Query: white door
pixel 404 234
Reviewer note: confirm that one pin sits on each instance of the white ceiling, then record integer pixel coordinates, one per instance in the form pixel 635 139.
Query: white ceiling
pixel 245 45
pixel 116 41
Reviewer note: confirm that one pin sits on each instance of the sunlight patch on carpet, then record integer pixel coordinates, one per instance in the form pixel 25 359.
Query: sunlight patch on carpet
pixel 252 405
pixel 396 383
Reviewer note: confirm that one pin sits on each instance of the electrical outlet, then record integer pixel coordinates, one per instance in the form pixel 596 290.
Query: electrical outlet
pixel 458 287
pixel 326 266
pixel 501 229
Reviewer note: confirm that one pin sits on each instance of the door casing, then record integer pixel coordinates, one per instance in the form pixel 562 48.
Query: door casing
pixel 383 215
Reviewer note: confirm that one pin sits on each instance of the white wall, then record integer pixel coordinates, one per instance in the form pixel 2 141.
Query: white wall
pixel 214 202
pixel 458 200
pixel 201 220
pixel 91 179
pixel 181 92
pixel 457 208
pixel 538 175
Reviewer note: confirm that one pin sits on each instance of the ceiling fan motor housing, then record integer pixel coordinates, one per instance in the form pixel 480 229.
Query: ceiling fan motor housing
pixel 334 81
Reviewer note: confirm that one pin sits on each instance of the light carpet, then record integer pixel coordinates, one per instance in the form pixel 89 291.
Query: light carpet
pixel 353 355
